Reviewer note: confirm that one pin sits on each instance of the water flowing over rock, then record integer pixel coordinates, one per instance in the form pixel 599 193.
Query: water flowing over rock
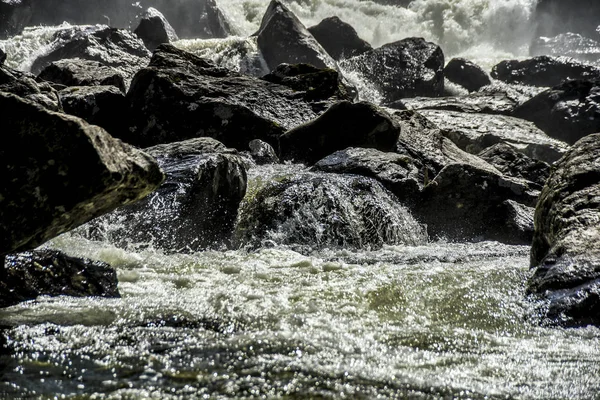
pixel 194 209
pixel 59 172
pixel 543 71
pixel 343 125
pixel 326 210
pixel 24 85
pixel 339 38
pixel 406 68
pixel 154 29
pixel 475 132
pixel 181 96
pixel 466 74
pixel 566 245
pixel 282 38
pixel 567 45
pixel 566 112
pixel 81 72
pixel 52 273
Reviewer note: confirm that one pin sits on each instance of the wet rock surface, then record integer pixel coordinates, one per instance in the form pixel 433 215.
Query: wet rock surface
pixel 466 74
pixel 81 72
pixel 24 85
pixel 154 29
pixel 339 38
pixel 565 253
pixel 58 172
pixel 45 272
pixel 512 162
pixel 567 45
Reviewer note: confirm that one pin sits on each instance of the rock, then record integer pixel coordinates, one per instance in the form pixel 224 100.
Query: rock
pixel 58 172
pixel 81 72
pixel 566 112
pixel 154 29
pixel 193 210
pixel 397 173
pixel 552 17
pixel 112 47
pixel 326 210
pixel 343 125
pixel 24 85
pixel 282 38
pixel 406 68
pixel 475 132
pixel 14 16
pixel 339 38
pixel 181 96
pixel 52 273
pixel 2 57
pixel 567 45
pixel 317 83
pixel 262 152
pixel 212 22
pixel 467 203
pixel 486 103
pixel 104 106
pixel 511 162
pixel 466 74
pixel 565 252
pixel 543 71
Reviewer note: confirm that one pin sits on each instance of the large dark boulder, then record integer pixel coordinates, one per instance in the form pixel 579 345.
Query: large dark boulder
pixel 543 71
pixel 116 48
pixel 339 38
pixel 475 132
pixel 567 45
pixel 326 210
pixel 104 106
pixel 343 125
pixel 193 210
pixel 154 29
pixel 2 57
pixel 181 96
pixel 24 85
pixel 406 68
pixel 565 252
pixel 81 72
pixel 58 172
pixel 566 112
pixel 45 272
pixel 282 38
pixel 466 74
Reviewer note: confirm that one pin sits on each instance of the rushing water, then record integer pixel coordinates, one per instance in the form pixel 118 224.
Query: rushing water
pixel 442 320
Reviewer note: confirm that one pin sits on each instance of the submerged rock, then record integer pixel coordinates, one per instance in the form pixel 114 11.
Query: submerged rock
pixel 24 85
pixel 466 74
pixel 406 68
pixel 154 29
pixel 326 210
pixel 543 71
pixel 193 210
pixel 566 112
pixel 511 162
pixel 58 172
pixel 343 125
pixel 181 96
pixel 339 38
pixel 566 246
pixel 52 273
pixel 81 72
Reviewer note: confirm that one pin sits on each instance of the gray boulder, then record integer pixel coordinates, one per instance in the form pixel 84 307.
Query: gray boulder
pixel 14 16
pixel 24 85
pixel 262 152
pixel 2 57
pixel 154 29
pixel 511 162
pixel 466 74
pixel 81 72
pixel 58 172
pixel 339 38
pixel 565 252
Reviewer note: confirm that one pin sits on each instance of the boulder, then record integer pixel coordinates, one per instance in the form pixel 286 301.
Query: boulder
pixel 326 210
pixel 58 172
pixel 81 72
pixel 552 17
pixel 282 38
pixel 46 272
pixel 116 48
pixel 316 83
pixel 154 29
pixel 212 22
pixel 565 252
pixel 477 102
pixel 466 74
pixel 406 68
pixel 14 16
pixel 2 57
pixel 511 162
pixel 566 112
pixel 543 71
pixel 343 125
pixel 475 132
pixel 181 96
pixel 567 45
pixel 339 38
pixel 193 210
pixel 104 106
pixel 24 85
pixel 262 152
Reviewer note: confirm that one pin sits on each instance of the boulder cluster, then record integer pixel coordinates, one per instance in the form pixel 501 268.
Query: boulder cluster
pixel 145 144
